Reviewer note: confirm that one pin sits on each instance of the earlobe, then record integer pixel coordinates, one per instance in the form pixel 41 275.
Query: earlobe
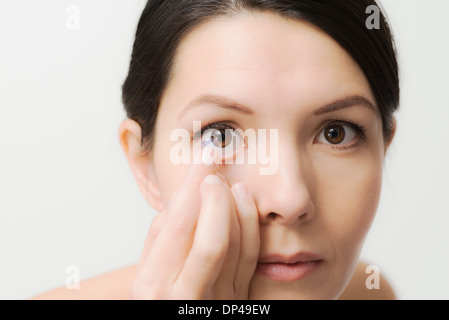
pixel 141 163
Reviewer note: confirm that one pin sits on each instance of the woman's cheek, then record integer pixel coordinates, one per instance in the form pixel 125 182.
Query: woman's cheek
pixel 169 174
pixel 357 208
pixel 349 192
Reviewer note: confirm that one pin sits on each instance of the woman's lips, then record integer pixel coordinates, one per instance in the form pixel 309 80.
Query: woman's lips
pixel 292 268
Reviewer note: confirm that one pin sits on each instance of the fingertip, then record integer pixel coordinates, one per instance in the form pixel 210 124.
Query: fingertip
pixel 197 170
pixel 223 179
pixel 215 186
pixel 212 179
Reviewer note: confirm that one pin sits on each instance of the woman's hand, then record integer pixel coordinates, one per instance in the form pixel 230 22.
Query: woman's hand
pixel 205 245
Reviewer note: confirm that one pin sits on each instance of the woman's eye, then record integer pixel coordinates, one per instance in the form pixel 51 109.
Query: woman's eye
pixel 219 138
pixel 224 139
pixel 337 134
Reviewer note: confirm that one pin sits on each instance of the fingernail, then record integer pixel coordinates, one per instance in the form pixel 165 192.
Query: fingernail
pixel 240 190
pixel 222 177
pixel 212 179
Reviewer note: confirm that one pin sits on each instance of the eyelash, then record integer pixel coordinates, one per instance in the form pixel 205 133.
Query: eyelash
pixel 359 130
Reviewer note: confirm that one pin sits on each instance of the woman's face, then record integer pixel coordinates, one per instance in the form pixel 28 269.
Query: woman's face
pixel 323 194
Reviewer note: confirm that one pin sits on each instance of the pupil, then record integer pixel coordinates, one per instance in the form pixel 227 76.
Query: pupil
pixel 335 135
pixel 218 140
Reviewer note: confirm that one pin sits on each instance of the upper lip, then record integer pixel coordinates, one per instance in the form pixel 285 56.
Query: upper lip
pixel 290 259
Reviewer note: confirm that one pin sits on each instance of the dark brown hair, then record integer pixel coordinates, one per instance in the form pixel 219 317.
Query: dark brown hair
pixel 164 23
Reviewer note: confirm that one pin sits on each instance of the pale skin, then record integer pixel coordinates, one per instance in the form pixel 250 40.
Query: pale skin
pixel 207 239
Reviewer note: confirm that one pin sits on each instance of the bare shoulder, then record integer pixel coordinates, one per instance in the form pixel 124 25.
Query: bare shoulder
pixel 114 285
pixel 357 288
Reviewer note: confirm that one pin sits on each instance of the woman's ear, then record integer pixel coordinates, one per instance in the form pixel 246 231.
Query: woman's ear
pixel 141 163
pixel 393 132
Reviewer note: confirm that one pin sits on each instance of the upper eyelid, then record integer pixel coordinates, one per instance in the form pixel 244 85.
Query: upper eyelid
pixel 347 123
pixel 213 125
pixel 217 125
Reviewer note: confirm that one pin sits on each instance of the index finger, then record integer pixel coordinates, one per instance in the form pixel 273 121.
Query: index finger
pixel 175 240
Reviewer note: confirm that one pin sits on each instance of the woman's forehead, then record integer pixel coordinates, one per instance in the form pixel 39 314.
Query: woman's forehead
pixel 267 57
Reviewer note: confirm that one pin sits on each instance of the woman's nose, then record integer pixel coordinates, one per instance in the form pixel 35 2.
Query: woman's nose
pixel 285 196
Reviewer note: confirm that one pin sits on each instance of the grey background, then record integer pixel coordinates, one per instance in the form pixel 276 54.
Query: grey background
pixel 67 195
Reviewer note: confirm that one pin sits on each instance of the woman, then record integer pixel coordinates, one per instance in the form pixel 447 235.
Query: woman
pixel 317 87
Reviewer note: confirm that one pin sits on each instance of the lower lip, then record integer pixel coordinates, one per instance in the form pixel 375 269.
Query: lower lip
pixel 288 271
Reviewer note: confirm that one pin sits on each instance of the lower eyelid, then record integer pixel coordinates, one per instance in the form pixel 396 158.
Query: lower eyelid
pixel 351 145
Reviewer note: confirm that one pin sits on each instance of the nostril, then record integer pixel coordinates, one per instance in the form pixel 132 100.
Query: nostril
pixel 271 216
pixel 303 216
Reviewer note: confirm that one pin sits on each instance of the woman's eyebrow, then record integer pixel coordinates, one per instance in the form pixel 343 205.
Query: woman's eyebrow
pixel 218 101
pixel 346 103
pixel 226 103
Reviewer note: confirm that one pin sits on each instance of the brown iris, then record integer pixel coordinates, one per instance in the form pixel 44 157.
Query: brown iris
pixel 335 134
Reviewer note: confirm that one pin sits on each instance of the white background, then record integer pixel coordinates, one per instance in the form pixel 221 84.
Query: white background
pixel 67 195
